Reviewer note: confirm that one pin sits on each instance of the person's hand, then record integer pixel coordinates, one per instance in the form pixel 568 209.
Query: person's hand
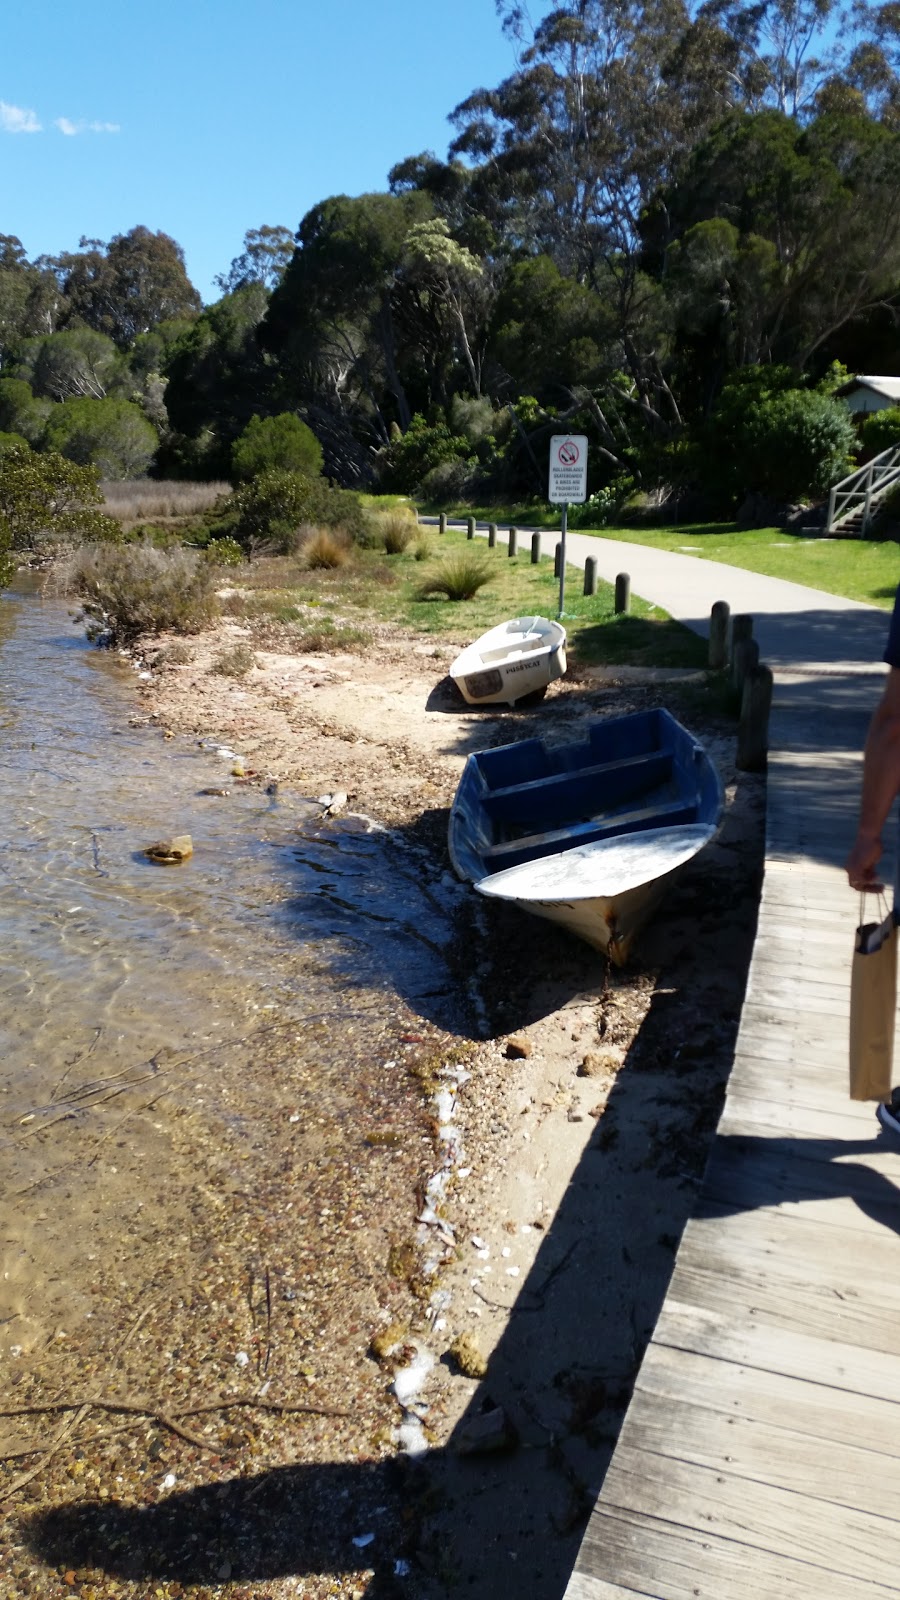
pixel 861 864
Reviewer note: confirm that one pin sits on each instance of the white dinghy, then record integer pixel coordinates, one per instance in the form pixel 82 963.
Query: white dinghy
pixel 512 661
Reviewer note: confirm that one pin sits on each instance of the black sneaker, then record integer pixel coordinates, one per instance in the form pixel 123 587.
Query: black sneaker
pixel 889 1116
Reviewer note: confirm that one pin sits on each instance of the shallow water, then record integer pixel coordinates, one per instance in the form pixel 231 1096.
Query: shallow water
pixel 115 971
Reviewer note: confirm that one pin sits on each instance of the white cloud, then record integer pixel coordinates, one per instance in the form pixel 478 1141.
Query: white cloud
pixel 16 119
pixel 70 128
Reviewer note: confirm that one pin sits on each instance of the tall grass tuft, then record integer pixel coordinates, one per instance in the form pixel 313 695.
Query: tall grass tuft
pixel 129 590
pixel 323 549
pixel 396 529
pixel 458 577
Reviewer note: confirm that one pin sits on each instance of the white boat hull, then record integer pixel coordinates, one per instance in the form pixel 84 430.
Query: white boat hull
pixel 516 659
pixel 606 891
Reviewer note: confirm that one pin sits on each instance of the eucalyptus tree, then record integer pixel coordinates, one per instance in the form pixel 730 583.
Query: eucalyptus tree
pixel 264 259
pixel 126 287
pixel 338 320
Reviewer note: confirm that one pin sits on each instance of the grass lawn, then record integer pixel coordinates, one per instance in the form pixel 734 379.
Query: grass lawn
pixel 337 608
pixel 858 569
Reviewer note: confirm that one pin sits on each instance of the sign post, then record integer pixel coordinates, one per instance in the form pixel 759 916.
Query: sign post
pixel 568 486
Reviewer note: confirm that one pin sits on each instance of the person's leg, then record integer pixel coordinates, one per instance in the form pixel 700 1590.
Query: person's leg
pixel 888 1113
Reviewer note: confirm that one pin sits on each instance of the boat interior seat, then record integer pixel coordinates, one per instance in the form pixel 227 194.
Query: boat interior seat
pixel 512 852
pixel 525 644
pixel 563 795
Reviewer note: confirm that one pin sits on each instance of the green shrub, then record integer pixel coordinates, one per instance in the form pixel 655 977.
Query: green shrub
pixel 596 511
pixel 224 553
pixel 769 438
pixel 283 443
pixel 234 662
pixel 881 430
pixel 274 507
pixel 130 590
pixel 45 499
pixel 110 434
pixel 459 577
pixel 451 480
pixel 325 636
pixel 7 564
pixel 413 454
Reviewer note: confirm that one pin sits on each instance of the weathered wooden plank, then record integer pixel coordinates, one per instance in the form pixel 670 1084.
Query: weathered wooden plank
pixel 780 1042
pixel 752 1343
pixel 756 1291
pixel 783 1052
pixel 768 1453
pixel 754 1113
pixel 790 1249
pixel 856 1261
pixel 582 1586
pixel 827 1537
pixel 651 1554
pixel 802 1023
pixel 801 1084
pixel 841 1416
pixel 750 1170
pixel 807 975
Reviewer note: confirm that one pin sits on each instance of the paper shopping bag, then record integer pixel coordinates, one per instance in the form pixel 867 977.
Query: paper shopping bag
pixel 873 1000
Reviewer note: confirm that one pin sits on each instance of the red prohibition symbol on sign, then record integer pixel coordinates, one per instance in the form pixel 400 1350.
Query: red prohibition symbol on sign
pixel 568 453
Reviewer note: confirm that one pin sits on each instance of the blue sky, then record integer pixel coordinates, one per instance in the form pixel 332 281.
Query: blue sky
pixel 204 118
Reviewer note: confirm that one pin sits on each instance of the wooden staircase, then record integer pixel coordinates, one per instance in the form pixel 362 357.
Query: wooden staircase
pixel 852 502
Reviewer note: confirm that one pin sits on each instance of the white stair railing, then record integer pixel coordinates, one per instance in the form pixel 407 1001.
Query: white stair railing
pixel 862 490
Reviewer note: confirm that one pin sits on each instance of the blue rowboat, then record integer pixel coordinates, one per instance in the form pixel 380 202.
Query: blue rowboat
pixel 589 834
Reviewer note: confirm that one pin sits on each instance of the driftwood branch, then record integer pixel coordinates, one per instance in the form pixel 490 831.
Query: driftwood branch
pixel 168 1418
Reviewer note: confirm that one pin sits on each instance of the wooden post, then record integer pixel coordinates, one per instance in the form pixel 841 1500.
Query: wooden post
pixel 513 542
pixel 557 558
pixel 535 549
pixel 623 594
pixel 741 629
pixel 492 535
pixel 753 729
pixel 470 528
pixel 442 522
pixel 590 575
pixel 744 661
pixel 718 635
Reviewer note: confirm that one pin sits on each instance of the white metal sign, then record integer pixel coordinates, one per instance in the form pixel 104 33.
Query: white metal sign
pixel 568 468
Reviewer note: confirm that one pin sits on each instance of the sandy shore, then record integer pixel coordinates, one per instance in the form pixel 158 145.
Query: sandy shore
pixel 576 1150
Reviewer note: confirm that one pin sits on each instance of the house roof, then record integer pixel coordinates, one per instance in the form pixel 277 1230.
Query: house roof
pixel 888 386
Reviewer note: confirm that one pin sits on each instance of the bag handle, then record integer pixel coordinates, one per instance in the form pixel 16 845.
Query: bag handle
pixel 881 899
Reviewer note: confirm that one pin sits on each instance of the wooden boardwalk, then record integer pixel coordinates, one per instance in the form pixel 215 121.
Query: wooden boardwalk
pixel 760 1457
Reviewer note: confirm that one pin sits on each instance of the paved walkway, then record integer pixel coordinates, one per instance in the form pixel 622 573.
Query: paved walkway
pixel 760 1457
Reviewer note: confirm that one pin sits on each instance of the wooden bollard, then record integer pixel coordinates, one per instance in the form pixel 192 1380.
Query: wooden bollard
pixel 470 528
pixel 741 629
pixel 590 575
pixel 492 535
pixel 536 549
pixel 557 558
pixel 753 728
pixel 744 661
pixel 623 594
pixel 442 522
pixel 718 635
pixel 513 543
